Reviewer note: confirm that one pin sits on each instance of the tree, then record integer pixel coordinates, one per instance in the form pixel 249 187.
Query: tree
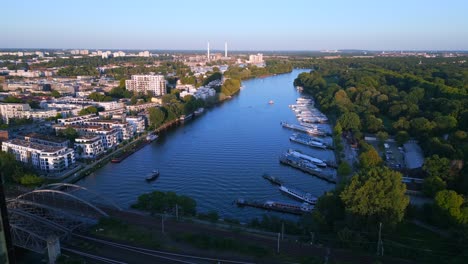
pixel 432 185
pixel 344 169
pixel 436 166
pixel 88 110
pixel 402 137
pixel 449 203
pixel 70 133
pixel 376 195
pixel 31 180
pixel 370 159
pixel 55 93
pixel 156 117
pixel 350 121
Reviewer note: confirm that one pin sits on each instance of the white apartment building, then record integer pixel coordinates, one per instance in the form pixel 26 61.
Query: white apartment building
pixel 43 157
pixel 123 129
pixel 9 111
pixel 89 147
pixel 254 59
pixel 204 93
pixel 47 140
pixel 137 123
pixel 156 84
pixel 40 114
pixel 111 105
pixel 77 120
pixel 140 107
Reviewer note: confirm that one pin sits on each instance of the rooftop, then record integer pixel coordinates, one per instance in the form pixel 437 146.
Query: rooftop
pixel 46 137
pixel 33 145
pixel 413 155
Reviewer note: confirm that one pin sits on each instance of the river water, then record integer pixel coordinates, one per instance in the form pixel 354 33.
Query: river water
pixel 221 155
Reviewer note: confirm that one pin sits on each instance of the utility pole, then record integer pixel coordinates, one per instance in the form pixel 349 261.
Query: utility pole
pixel 379 243
pixel 282 230
pixel 277 246
pixel 162 224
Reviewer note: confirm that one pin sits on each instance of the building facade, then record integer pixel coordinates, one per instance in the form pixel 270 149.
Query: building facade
pixel 9 111
pixel 89 147
pixel 156 84
pixel 42 157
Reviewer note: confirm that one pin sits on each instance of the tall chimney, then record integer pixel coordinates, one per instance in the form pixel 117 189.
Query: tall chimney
pixel 225 49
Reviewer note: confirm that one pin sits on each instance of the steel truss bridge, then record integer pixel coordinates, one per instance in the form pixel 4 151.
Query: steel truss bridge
pixel 54 210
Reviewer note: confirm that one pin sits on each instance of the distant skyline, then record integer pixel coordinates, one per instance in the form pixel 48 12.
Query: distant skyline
pixel 245 25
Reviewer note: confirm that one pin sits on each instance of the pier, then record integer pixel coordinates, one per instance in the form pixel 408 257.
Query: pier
pixel 328 177
pixel 272 179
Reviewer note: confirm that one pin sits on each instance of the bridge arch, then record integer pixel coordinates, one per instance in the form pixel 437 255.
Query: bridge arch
pixel 50 197
pixel 72 188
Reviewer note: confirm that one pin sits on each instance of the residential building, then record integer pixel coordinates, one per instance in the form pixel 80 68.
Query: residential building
pixel 47 140
pixel 137 123
pixel 255 59
pixel 77 120
pixel 155 84
pixel 43 157
pixel 124 130
pixel 9 111
pixel 88 146
pixel 140 107
pixel 111 105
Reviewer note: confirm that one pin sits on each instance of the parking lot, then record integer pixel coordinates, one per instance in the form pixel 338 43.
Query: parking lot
pixel 391 153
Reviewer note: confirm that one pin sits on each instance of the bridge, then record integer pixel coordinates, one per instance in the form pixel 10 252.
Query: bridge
pixel 55 210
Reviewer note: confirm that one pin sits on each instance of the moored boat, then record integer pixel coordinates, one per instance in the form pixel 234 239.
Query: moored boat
pixel 302 196
pixel 152 176
pixel 151 137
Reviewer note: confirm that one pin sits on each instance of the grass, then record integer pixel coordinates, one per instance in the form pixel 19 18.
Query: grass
pixel 116 229
pixel 207 242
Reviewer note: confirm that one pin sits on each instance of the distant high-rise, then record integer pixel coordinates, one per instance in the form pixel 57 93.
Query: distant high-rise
pixel 156 84
pixel 208 52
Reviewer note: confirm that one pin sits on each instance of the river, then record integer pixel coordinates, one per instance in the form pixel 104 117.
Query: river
pixel 221 155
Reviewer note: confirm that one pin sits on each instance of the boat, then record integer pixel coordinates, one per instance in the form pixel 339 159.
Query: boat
pixel 271 102
pixel 302 196
pixel 184 118
pixel 151 137
pixel 277 206
pixel 199 111
pixel 303 129
pixel 307 140
pixel 153 175
pixel 314 160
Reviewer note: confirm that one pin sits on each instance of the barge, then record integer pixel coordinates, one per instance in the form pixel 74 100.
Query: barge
pixel 277 206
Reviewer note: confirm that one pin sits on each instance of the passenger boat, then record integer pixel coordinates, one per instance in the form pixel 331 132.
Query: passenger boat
pixel 271 102
pixel 153 175
pixel 307 140
pixel 314 160
pixel 302 196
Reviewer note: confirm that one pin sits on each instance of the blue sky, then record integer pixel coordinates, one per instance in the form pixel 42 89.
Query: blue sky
pixel 245 25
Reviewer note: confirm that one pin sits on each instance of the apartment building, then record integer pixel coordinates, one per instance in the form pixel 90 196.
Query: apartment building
pixel 43 157
pixel 47 140
pixel 9 111
pixel 89 146
pixel 156 84
pixel 137 123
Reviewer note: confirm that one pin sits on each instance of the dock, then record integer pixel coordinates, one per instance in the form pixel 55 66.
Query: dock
pixel 328 177
pixel 273 206
pixel 272 179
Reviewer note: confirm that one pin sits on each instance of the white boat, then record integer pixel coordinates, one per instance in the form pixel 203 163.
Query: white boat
pixel 199 111
pixel 314 160
pixel 302 196
pixel 151 137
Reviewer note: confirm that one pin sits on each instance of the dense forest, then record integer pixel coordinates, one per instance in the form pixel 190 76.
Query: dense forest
pixel 421 98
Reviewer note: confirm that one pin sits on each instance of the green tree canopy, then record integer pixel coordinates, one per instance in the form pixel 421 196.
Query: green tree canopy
pixel 376 195
pixel 370 158
pixel 350 121
pixel 70 133
pixel 88 110
pixel 436 166
pixel 156 117
pixel 450 204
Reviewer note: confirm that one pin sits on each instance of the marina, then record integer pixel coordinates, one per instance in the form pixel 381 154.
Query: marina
pixel 308 141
